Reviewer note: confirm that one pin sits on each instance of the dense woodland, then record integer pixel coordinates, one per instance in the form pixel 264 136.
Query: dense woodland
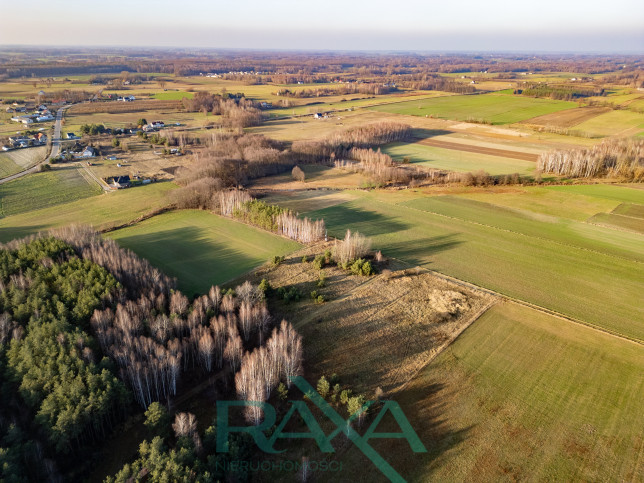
pixel 88 331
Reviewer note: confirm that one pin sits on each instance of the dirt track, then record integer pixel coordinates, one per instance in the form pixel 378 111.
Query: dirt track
pixel 505 153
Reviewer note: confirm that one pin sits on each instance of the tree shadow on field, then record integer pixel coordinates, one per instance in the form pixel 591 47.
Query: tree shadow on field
pixel 429 133
pixel 416 252
pixel 196 261
pixel 16 232
pixel 339 218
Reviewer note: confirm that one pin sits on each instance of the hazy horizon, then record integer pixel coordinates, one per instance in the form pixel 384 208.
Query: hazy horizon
pixel 409 25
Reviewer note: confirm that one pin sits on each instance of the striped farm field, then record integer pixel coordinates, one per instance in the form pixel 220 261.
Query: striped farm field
pixel 522 395
pixel 457 160
pixel 490 108
pixel 585 271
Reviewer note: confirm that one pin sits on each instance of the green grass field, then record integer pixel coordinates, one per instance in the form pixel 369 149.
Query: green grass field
pixel 614 123
pixel 521 395
pixel 496 109
pixel 14 161
pixel 585 271
pixel 41 190
pixel 453 160
pixel 101 212
pixel 201 249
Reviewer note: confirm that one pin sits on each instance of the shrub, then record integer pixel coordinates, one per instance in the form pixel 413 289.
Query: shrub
pixel 362 267
pixel 277 260
pixel 321 280
pixel 314 294
pixel 320 300
pixel 305 259
pixel 345 395
pixel 319 262
pixel 323 387
pixel 288 294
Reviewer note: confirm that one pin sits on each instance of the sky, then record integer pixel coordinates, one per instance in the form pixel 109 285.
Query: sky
pixel 377 25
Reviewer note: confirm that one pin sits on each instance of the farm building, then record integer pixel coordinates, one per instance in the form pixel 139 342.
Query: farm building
pixel 119 182
pixel 88 152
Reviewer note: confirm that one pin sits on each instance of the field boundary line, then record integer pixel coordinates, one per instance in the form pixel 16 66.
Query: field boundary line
pixel 476 316
pixel 531 305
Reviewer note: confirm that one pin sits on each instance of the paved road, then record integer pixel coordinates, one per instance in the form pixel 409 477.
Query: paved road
pixel 55 148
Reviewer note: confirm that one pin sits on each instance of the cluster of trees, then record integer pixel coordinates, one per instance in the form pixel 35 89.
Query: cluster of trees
pixel 561 93
pixel 155 341
pixel 236 111
pixel 616 158
pixel 339 145
pixel 280 359
pixel 427 82
pixel 379 167
pixel 270 217
pixel 186 457
pixel 49 362
pixel 93 129
pixel 353 247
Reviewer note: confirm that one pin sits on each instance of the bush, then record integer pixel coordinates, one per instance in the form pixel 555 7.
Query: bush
pixel 314 294
pixel 305 259
pixel 115 142
pixel 277 260
pixel 362 267
pixel 45 167
pixel 288 294
pixel 320 300
pixel 321 280
pixel 319 262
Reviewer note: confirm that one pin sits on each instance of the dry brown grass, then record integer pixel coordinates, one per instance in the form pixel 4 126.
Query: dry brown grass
pixel 374 331
pixel 567 118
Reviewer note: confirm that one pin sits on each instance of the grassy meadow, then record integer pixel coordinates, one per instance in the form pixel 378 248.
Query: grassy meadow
pixel 491 108
pixel 521 395
pixel 41 190
pixel 201 249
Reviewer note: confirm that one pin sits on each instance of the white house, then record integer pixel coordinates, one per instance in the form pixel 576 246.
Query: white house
pixel 89 152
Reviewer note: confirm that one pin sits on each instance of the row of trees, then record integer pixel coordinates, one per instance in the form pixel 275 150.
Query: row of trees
pixel 616 158
pixel 339 145
pixel 270 217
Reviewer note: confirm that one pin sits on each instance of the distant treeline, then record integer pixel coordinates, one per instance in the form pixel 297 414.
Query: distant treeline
pixel 292 67
pixel 615 158
pixel 341 90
